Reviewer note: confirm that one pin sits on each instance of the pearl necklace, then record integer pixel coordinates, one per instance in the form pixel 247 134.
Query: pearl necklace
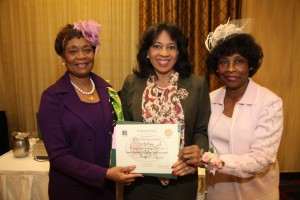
pixel 91 98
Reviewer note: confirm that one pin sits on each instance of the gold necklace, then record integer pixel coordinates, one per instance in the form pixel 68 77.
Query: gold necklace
pixel 91 98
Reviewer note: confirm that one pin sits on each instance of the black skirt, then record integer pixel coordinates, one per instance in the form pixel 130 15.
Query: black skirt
pixel 150 188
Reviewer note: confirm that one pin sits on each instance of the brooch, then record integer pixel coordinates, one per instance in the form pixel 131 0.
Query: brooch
pixel 182 94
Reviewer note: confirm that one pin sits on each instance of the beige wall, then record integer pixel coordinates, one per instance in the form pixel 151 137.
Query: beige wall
pixel 277 29
pixel 29 64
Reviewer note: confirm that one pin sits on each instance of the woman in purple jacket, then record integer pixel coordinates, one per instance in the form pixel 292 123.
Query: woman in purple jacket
pixel 76 122
pixel 246 121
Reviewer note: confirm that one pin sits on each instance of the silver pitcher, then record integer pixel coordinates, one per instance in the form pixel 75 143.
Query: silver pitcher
pixel 20 144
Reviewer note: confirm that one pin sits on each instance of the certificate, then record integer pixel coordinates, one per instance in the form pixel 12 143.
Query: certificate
pixel 153 148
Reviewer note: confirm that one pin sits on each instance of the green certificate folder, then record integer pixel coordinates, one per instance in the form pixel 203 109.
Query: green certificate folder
pixel 143 141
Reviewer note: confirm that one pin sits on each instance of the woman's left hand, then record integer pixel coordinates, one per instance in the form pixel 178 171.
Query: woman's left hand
pixel 122 174
pixel 191 155
pixel 180 168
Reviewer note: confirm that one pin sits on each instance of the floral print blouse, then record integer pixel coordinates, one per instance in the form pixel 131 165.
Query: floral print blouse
pixel 162 105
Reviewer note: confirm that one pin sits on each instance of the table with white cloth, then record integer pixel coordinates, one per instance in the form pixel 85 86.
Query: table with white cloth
pixel 23 178
pixel 27 179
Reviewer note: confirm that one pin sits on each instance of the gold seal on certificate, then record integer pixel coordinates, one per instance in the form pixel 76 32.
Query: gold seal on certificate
pixel 168 132
pixel 153 148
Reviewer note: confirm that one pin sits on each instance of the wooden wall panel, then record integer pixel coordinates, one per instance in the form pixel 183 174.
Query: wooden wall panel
pixel 277 29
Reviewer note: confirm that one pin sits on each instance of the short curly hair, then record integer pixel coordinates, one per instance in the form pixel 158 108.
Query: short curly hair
pixel 64 36
pixel 243 44
pixel 183 65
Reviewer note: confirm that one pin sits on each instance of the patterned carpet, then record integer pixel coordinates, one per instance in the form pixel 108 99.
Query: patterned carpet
pixel 289 186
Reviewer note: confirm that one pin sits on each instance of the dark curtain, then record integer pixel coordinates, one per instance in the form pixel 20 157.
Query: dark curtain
pixel 196 18
pixel 4 141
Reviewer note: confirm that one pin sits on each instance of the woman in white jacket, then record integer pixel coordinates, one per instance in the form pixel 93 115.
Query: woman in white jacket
pixel 246 122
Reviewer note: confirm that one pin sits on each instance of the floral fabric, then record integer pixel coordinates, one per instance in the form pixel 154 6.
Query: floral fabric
pixel 162 105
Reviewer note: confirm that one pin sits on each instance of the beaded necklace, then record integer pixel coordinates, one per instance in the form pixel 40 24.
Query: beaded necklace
pixel 91 98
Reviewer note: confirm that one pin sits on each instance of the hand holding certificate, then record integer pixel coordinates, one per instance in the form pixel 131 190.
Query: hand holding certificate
pixel 152 148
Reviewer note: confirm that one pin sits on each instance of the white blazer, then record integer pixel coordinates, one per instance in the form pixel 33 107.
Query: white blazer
pixel 251 170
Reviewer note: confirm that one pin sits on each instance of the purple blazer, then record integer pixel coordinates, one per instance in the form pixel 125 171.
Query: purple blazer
pixel 77 163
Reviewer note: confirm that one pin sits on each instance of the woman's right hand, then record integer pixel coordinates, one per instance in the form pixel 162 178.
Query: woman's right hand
pixel 122 174
pixel 191 155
